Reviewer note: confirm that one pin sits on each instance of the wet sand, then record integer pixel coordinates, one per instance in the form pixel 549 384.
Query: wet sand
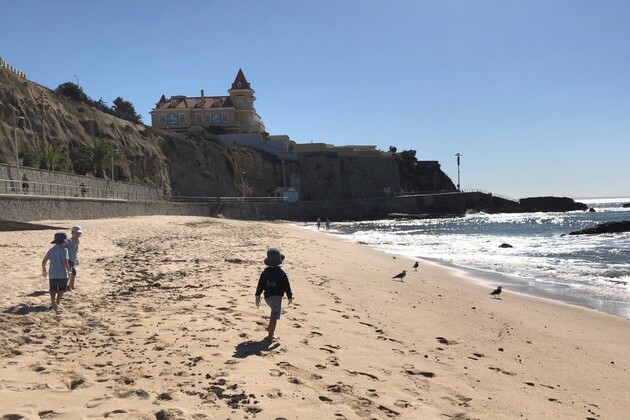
pixel 163 325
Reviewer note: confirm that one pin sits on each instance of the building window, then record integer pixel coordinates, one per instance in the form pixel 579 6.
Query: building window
pixel 239 103
pixel 208 117
pixel 199 118
pixel 182 118
pixel 238 85
pixel 162 119
pixel 224 117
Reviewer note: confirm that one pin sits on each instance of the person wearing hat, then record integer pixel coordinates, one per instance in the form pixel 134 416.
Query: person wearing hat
pixel 59 267
pixel 274 283
pixel 73 253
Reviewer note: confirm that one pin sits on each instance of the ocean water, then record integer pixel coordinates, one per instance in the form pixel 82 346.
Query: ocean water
pixel 588 270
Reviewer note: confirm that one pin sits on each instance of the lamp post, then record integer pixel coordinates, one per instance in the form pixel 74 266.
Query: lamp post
pixel 78 84
pixel 243 184
pixel 44 105
pixel 16 117
pixel 112 159
pixel 458 184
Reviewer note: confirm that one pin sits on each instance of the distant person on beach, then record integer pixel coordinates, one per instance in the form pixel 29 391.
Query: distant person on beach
pixel 59 267
pixel 73 253
pixel 83 189
pixel 274 283
pixel 25 184
pixel 327 223
pixel 319 222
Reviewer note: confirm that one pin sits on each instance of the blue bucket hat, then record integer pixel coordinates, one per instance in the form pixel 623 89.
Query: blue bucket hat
pixel 60 238
pixel 274 257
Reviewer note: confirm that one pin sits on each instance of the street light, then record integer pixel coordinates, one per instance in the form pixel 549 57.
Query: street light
pixel 16 117
pixel 458 156
pixel 112 148
pixel 243 184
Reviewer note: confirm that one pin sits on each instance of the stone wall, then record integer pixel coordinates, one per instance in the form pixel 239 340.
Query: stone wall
pixel 29 208
pixel 21 208
pixel 51 183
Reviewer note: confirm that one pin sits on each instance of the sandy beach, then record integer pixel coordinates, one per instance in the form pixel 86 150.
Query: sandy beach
pixel 163 325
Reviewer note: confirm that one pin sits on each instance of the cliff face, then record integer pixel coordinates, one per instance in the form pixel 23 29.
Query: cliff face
pixel 54 119
pixel 194 163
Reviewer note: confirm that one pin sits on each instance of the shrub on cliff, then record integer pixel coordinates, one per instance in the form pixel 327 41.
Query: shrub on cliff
pixel 72 91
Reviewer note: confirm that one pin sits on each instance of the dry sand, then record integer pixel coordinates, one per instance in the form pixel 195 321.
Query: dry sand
pixel 163 325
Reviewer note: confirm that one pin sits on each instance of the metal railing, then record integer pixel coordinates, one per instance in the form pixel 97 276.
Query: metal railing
pixel 45 189
pixel 189 199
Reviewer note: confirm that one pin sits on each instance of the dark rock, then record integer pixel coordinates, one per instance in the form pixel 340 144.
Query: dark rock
pixel 550 204
pixel 626 205
pixel 504 245
pixel 592 210
pixel 607 227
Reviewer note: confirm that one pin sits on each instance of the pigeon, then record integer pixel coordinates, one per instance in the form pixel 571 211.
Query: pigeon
pixel 416 265
pixel 400 275
pixel 496 292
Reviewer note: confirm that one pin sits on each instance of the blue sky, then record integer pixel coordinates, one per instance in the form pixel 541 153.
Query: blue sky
pixel 534 94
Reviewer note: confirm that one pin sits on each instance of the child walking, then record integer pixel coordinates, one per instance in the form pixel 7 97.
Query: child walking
pixel 59 267
pixel 274 283
pixel 73 253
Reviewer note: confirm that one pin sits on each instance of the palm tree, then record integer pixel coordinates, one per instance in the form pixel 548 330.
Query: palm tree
pixel 95 157
pixel 54 157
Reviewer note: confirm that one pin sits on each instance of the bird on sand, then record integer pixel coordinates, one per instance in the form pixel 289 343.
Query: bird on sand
pixel 400 275
pixel 416 265
pixel 496 292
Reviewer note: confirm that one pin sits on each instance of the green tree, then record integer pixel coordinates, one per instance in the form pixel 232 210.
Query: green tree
pixel 54 157
pixel 94 157
pixel 30 157
pixel 125 109
pixel 72 91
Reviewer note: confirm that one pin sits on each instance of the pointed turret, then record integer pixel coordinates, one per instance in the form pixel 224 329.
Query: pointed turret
pixel 240 82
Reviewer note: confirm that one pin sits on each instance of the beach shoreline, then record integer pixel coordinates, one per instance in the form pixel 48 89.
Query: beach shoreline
pixel 163 323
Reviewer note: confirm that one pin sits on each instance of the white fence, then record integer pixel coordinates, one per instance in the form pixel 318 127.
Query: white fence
pixel 46 189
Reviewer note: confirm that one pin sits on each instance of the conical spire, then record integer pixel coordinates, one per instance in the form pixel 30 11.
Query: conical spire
pixel 240 82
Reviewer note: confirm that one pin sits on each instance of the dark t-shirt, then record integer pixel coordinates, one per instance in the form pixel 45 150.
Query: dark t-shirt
pixel 274 282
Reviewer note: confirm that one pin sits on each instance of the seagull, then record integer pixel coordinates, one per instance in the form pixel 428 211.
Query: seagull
pixel 496 292
pixel 400 275
pixel 416 265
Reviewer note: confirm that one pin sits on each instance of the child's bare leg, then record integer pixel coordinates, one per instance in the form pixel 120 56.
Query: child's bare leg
pixel 271 327
pixel 59 295
pixel 53 300
pixel 72 277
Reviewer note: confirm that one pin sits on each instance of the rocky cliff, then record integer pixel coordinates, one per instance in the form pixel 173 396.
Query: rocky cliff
pixel 193 163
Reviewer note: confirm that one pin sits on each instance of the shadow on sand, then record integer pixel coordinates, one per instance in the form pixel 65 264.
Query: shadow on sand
pixel 254 348
pixel 38 293
pixel 24 309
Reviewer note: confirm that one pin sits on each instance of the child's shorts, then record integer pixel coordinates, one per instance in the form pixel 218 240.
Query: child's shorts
pixel 275 303
pixel 58 285
pixel 73 267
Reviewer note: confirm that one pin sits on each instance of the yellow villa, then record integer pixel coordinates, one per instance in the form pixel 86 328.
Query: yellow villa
pixel 232 114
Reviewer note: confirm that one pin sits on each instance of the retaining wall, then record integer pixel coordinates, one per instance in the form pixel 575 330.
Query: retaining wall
pixel 30 208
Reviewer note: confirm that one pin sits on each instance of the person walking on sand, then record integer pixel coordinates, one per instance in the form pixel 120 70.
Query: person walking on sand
pixel 59 267
pixel 274 283
pixel 319 222
pixel 73 253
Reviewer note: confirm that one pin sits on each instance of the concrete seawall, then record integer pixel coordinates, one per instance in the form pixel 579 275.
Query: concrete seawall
pixel 32 208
